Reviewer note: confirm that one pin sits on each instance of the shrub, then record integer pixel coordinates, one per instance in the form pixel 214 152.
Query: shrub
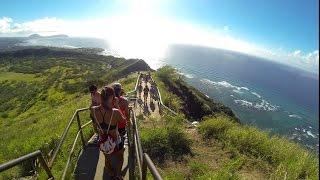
pixel 178 142
pixel 155 143
pixel 215 127
pixel 170 141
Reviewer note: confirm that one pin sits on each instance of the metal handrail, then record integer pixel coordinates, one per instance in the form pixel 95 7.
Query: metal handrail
pixel 161 103
pixel 166 107
pixel 147 162
pixel 136 86
pixel 73 147
pixel 143 160
pixel 35 154
pixel 56 150
pixel 38 154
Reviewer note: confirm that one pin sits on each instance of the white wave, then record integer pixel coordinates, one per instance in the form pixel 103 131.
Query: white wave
pixel 310 134
pixel 243 102
pixel 225 84
pixel 256 94
pixel 263 105
pixel 295 116
pixel 237 91
pixel 266 106
pixel 190 76
pixel 207 81
pixel 244 88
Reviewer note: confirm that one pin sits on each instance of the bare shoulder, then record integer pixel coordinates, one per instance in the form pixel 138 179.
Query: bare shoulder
pixel 95 108
pixel 125 100
pixel 117 114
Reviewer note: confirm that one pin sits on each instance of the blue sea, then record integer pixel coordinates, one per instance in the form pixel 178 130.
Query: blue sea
pixel 274 97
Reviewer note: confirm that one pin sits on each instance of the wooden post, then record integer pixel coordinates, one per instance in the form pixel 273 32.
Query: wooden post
pixel 81 133
pixel 131 161
pixel 144 169
pixel 45 166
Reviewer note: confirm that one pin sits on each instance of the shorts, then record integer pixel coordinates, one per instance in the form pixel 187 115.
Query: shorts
pixel 122 131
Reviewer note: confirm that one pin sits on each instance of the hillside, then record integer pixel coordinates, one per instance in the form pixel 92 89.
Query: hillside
pixel 194 104
pixel 219 147
pixel 40 88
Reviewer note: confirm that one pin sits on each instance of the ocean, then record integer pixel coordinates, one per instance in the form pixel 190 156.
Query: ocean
pixel 273 97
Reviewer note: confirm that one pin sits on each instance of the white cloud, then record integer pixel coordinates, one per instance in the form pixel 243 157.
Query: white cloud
pixel 132 34
pixel 5 24
pixel 296 53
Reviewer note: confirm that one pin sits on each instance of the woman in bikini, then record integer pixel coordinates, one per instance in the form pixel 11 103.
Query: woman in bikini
pixel 107 119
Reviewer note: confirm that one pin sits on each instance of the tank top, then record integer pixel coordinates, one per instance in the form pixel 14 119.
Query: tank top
pixel 123 123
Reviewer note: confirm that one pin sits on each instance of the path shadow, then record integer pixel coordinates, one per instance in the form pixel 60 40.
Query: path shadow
pixel 87 163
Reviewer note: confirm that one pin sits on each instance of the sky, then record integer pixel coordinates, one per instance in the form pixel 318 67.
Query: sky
pixel 286 31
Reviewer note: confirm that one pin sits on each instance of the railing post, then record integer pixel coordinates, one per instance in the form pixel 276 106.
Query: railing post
pixel 45 166
pixel 81 133
pixel 131 152
pixel 144 168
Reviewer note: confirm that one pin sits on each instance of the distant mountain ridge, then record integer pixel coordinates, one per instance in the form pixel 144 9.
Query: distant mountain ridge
pixel 53 36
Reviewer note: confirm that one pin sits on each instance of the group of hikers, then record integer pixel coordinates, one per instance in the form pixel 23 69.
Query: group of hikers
pixel 153 89
pixel 110 116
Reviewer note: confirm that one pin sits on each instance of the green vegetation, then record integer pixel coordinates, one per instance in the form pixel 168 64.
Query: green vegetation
pixel 288 159
pixel 166 141
pixel 9 76
pixel 40 88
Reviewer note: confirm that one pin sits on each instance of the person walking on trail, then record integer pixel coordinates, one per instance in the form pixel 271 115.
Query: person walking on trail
pixel 142 77
pixel 152 92
pixel 145 94
pixel 95 101
pixel 140 89
pixel 123 105
pixel 107 119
